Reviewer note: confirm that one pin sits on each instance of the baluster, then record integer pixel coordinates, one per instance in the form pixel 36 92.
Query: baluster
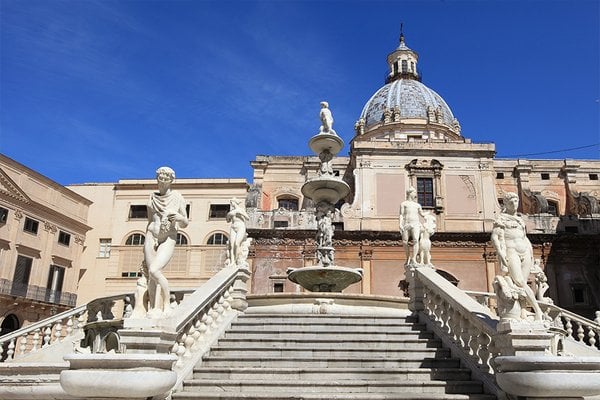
pixel 580 334
pixel 197 333
pixel 438 310
pixel 473 345
pixel 568 327
pixel 47 335
pixel 228 298
pixel 484 352
pixel 35 340
pixel 1 350
pixel 23 344
pixel 220 309
pixel 591 337
pixel 180 350
pixel 189 341
pixel 10 354
pixel 69 326
pixel 58 331
pixel 81 319
pixel 208 322
pixel 455 325
pixel 215 315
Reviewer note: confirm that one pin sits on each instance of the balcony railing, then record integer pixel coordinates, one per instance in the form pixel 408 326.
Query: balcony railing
pixel 37 293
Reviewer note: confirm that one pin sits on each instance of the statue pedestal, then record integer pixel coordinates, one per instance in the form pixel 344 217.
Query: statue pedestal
pixel 523 338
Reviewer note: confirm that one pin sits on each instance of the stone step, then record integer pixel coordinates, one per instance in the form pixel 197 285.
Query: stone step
pixel 336 386
pixel 324 319
pixel 326 362
pixel 339 374
pixel 320 342
pixel 342 351
pixel 340 336
pixel 335 327
pixel 284 395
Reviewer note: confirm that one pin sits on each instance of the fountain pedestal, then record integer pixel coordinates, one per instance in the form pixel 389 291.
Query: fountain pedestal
pixel 325 191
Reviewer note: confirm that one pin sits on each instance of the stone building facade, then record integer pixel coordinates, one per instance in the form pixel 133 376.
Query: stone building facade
pixel 114 247
pixel 42 233
pixel 406 135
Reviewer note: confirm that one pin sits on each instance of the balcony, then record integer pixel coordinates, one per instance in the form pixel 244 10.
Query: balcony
pixel 37 293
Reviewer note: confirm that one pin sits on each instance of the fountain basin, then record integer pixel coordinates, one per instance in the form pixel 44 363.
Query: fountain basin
pixel 325 279
pixel 548 376
pixel 118 375
pixel 325 188
pixel 326 141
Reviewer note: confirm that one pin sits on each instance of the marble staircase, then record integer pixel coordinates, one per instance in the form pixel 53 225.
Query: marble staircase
pixel 311 356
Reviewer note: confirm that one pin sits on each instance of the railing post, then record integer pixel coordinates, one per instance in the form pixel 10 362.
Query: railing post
pixel 240 290
pixel 415 289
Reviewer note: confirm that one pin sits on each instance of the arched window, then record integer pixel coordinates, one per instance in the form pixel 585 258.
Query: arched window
pixel 181 240
pixel 218 239
pixel 404 66
pixel 288 203
pixel 135 239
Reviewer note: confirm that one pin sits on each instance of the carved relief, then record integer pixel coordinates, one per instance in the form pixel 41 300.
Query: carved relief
pixel 49 227
pixel 18 214
pixel 80 240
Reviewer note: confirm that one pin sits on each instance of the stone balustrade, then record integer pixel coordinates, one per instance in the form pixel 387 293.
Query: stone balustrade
pixel 463 324
pixel 577 328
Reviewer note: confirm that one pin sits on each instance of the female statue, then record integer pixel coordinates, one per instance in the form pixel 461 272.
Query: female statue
pixel 237 217
pixel 166 215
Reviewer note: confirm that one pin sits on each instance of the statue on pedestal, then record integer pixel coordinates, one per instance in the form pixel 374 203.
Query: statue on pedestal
pixel 410 224
pixel 516 260
pixel 166 215
pixel 238 217
pixel 326 119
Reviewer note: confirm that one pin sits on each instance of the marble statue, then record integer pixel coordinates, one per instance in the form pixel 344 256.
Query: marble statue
pixel 326 119
pixel 238 218
pixel 166 215
pixel 427 229
pixel 410 224
pixel 516 260
pixel 541 283
pixel 325 230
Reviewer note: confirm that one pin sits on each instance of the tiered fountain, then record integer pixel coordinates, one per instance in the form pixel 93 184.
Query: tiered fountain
pixel 325 191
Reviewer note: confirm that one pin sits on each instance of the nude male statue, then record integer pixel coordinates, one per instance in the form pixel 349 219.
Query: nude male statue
pixel 514 249
pixel 326 119
pixel 410 224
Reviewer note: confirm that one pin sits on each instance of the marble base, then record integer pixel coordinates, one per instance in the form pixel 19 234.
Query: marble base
pixel 325 279
pixel 547 377
pixel 118 375
pixel 325 141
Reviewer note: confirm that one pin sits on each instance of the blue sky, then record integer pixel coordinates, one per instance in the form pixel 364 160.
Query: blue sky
pixel 96 91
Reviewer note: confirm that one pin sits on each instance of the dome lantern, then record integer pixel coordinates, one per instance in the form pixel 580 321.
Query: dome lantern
pixel 402 63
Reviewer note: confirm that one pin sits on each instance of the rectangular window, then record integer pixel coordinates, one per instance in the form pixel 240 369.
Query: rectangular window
pixel 280 224
pixel 553 208
pixel 404 66
pixel 187 210
pixel 56 277
pixel 500 175
pixel 545 176
pixel 288 204
pixel 579 292
pixel 278 287
pixel 130 274
pixel 31 225
pixel 21 276
pixel 593 177
pixel 3 215
pixel 425 192
pixel 138 212
pixel 104 251
pixel 64 238
pixel 218 211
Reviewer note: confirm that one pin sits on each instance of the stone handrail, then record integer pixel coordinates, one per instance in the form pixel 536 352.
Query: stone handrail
pixel 203 317
pixel 55 329
pixel 578 328
pixel 463 324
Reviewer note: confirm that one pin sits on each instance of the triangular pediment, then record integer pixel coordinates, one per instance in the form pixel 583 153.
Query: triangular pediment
pixel 9 188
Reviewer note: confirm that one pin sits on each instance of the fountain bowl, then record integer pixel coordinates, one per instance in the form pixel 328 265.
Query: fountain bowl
pixel 318 278
pixel 325 141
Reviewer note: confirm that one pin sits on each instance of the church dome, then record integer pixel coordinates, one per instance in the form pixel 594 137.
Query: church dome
pixel 404 107
pixel 410 99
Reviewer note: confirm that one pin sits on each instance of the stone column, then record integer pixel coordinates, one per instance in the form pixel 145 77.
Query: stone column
pixel 366 255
